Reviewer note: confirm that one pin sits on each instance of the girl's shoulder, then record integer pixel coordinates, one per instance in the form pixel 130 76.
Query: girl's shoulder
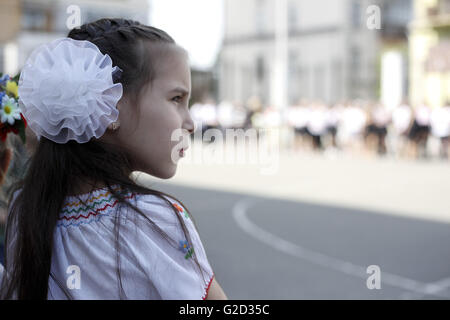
pixel 168 261
pixel 101 203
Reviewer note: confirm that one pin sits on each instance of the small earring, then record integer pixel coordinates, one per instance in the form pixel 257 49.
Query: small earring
pixel 114 125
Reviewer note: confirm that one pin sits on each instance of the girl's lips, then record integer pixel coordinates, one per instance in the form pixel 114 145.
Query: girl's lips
pixel 183 151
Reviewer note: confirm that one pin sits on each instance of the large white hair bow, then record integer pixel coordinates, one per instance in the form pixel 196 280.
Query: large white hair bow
pixel 66 91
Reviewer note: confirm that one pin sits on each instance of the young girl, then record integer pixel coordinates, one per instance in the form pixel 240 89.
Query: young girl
pixel 104 102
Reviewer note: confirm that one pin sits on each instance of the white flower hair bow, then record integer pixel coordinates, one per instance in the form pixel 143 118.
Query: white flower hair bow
pixel 66 91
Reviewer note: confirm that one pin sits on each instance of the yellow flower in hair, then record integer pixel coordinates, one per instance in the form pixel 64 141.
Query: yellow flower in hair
pixel 11 87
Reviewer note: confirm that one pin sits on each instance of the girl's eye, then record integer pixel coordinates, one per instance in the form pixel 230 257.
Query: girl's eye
pixel 177 98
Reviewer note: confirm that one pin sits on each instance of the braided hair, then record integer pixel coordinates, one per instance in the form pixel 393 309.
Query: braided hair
pixel 125 42
pixel 55 169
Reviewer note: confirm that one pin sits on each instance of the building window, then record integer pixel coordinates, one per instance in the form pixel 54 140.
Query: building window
pixel 95 15
pixel 292 61
pixel 356 13
pixel 293 77
pixel 338 78
pixel 444 6
pixel 301 86
pixel 260 69
pixel 319 83
pixel 292 15
pixel 260 16
pixel 355 56
pixel 355 71
pixel 34 19
pixel 396 14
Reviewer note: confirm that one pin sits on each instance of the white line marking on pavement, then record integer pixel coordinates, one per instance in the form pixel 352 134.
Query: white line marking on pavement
pixel 432 288
pixel 240 216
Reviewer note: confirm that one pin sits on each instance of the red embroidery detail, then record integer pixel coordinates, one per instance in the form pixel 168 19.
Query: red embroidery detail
pixel 207 288
pixel 178 207
pixel 96 211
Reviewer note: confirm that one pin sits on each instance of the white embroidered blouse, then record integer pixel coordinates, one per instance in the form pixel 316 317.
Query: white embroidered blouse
pixel 84 259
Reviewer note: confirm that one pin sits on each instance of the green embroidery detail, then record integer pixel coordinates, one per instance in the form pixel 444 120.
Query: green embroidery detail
pixel 186 248
pixel 189 253
pixel 181 210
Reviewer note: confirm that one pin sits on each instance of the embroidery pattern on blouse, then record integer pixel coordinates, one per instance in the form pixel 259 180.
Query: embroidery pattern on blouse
pixel 181 210
pixel 86 214
pixel 187 249
pixel 76 213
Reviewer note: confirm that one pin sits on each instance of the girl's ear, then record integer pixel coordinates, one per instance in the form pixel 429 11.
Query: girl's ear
pixel 121 104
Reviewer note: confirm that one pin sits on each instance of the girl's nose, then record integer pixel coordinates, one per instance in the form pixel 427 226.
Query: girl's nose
pixel 189 123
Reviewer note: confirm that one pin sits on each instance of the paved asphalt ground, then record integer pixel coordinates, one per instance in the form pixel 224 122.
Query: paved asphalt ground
pixel 249 268
pixel 285 247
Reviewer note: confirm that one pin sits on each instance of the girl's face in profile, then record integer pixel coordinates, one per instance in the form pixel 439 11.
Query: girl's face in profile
pixel 163 110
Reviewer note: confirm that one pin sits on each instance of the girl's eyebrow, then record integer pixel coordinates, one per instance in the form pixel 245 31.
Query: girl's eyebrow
pixel 180 90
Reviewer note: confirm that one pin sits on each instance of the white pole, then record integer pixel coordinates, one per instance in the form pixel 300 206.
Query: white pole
pixel 279 85
pixel 281 55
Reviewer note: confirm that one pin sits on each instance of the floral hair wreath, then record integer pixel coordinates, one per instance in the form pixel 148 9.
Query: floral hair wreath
pixel 11 118
pixel 67 91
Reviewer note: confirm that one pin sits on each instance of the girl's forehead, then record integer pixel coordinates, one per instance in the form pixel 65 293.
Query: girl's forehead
pixel 174 76
pixel 172 70
pixel 175 86
pixel 174 57
pixel 173 83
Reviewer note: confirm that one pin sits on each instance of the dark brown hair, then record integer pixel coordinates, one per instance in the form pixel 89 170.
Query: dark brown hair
pixel 54 168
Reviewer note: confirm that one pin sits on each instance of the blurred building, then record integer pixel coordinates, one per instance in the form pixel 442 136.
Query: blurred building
pixel 393 55
pixel 25 24
pixel 332 53
pixel 203 85
pixel 430 53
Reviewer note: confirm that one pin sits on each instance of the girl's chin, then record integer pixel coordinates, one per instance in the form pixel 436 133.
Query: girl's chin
pixel 163 174
pixel 166 173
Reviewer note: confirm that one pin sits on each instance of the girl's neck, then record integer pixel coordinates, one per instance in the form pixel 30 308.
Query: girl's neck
pixel 84 187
